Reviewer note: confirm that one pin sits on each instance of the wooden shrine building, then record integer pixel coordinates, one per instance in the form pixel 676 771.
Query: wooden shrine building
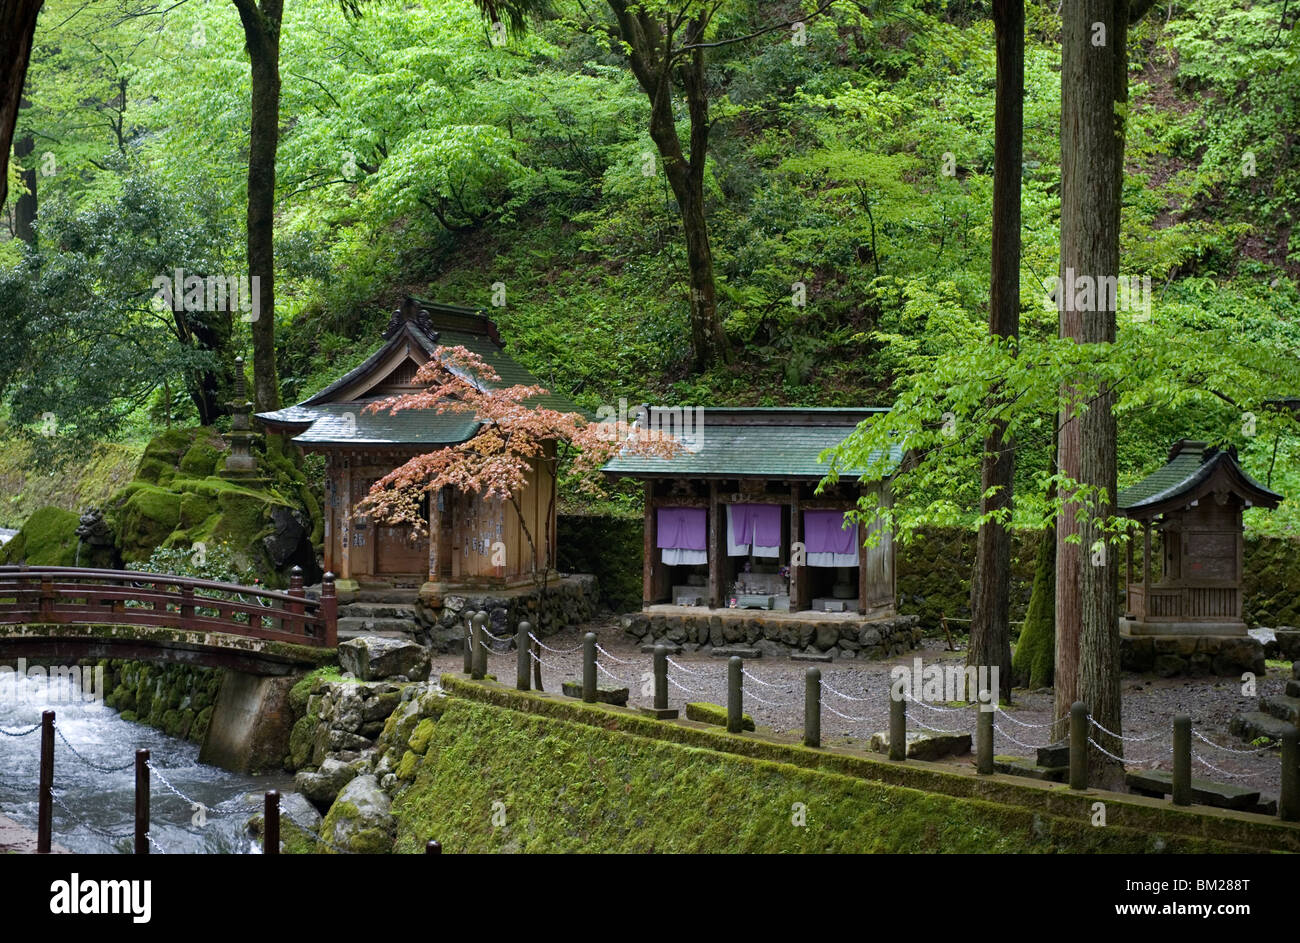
pixel 467 535
pixel 1190 515
pixel 732 521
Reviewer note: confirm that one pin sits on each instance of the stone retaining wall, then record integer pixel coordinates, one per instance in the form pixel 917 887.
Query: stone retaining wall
pixel 569 601
pixel 879 638
pixel 1195 655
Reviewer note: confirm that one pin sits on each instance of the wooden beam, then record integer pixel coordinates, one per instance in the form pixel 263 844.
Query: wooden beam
pixel 863 590
pixel 796 572
pixel 345 528
pixel 714 543
pixel 435 533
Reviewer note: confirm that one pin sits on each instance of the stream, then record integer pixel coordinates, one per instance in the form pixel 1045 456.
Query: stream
pixel 203 811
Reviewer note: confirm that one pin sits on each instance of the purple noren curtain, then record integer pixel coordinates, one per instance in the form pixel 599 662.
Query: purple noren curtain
pixel 681 528
pixel 766 520
pixel 824 532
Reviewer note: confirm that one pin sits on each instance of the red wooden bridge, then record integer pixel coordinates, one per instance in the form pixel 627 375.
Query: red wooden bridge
pixel 77 612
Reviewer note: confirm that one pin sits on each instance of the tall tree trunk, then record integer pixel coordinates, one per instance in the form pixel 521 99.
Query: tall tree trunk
pixel 1034 659
pixel 18 17
pixel 990 638
pixel 25 205
pixel 262 37
pixel 1094 94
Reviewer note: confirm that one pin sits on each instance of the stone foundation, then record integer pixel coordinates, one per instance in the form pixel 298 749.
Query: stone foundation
pixel 1170 655
pixel 779 635
pixel 440 615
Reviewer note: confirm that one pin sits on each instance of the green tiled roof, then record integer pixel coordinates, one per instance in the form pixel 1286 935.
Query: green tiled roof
pixel 756 443
pixel 1190 464
pixel 322 419
pixel 350 424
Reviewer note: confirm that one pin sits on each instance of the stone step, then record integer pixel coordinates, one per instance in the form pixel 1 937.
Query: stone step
pixel 1251 725
pixel 388 595
pixel 1282 707
pixel 377 610
pixel 824 657
pixel 926 746
pixel 605 694
pixel 384 628
pixel 721 652
pixel 1158 782
pixel 1024 766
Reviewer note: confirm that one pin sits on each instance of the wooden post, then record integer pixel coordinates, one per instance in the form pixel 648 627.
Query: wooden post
pixel 589 667
pixel 345 523
pixel 796 572
pixel 432 847
pixel 1078 746
pixel 45 797
pixel 329 610
pixel 469 641
pixel 983 742
pixel 47 599
pixel 295 608
pixel 863 583
pixel 812 708
pixel 1182 787
pixel 478 643
pixel 523 650
pixel 735 695
pixel 142 802
pixel 271 823
pixel 650 538
pixel 661 677
pixel 713 542
pixel 1288 803
pixel 898 728
pixel 435 534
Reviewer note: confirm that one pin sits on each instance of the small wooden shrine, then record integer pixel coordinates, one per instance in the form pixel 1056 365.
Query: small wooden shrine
pixel 1190 515
pixel 470 540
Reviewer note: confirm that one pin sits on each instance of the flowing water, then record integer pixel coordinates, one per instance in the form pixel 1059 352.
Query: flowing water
pixel 94 808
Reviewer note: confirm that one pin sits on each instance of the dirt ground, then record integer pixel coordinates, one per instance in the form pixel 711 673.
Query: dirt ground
pixel 855 698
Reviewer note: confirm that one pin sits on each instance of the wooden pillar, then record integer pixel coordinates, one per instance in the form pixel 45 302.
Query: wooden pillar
pixel 345 522
pixel 796 596
pixel 715 548
pixel 435 531
pixel 1146 565
pixel 458 519
pixel 328 513
pixel 649 536
pixel 863 591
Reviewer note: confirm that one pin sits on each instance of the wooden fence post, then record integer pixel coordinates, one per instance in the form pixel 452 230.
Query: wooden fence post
pixel 478 644
pixel 271 823
pixel 142 802
pixel 1078 746
pixel 897 727
pixel 523 657
pixel 1288 804
pixel 329 610
pixel 983 742
pixel 589 667
pixel 1182 785
pixel 44 801
pixel 812 708
pixel 735 695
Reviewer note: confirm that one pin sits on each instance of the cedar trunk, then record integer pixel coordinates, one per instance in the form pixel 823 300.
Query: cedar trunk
pixel 25 205
pixel 262 36
pixel 1094 91
pixel 19 20
pixel 990 639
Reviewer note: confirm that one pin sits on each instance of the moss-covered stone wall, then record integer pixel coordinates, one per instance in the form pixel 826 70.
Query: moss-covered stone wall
pixel 176 699
pixel 504 771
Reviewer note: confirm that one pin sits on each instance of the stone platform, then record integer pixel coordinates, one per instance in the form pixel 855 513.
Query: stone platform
pixel 842 635
pixel 1195 655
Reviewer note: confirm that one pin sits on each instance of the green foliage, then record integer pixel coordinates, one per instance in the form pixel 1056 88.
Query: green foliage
pixel 47 538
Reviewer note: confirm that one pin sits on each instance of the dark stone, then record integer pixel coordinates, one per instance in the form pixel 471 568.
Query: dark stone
pixel 826 657
pixel 727 652
pixel 1166 666
pixel 827 634
pixel 604 695
pixel 1204 792
pixel 1054 756
pixel 290 531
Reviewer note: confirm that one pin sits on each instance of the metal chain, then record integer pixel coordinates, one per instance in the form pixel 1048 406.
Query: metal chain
pixel 689 671
pixel 1022 723
pixel 1218 746
pixel 945 710
pixel 314 834
pixel 557 651
pixel 751 695
pixel 115 836
pixel 860 720
pixel 921 723
pixel 163 779
pixel 95 766
pixel 615 659
pixel 682 686
pixel 32 729
pixel 1119 759
pixel 847 697
pixel 161 850
pixel 1221 772
pixel 538 658
pixel 1027 746
pixel 600 667
pixel 766 684
pixel 1120 736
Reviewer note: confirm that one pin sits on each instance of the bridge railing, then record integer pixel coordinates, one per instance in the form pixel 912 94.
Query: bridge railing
pixel 81 596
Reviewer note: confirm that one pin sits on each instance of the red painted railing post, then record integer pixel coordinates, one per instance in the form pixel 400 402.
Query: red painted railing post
pixel 47 599
pixel 329 610
pixel 142 802
pixel 187 606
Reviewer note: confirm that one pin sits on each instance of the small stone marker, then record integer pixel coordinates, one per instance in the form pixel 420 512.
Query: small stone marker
pixel 603 695
pixel 925 746
pixel 737 652
pixel 1158 782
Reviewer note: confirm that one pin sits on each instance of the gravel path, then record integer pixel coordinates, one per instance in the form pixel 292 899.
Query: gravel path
pixel 855 701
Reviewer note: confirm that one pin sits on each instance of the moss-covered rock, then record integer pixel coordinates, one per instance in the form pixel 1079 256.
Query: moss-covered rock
pixel 47 538
pixel 707 713
pixel 1033 663
pixel 360 820
pixel 419 741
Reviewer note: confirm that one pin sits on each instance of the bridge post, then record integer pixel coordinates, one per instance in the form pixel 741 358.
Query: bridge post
pixel 45 811
pixel 187 606
pixel 329 610
pixel 47 599
pixel 296 608
pixel 142 802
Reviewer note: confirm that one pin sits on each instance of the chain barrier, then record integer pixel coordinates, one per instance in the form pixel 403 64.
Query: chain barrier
pixel 681 687
pixel 751 695
pixel 1221 772
pixel 163 779
pixel 608 673
pixel 556 651
pixel 689 671
pixel 615 659
pixel 1022 723
pixel 944 710
pixel 544 663
pixel 1120 736
pixel 1027 746
pixel 848 697
pixel 858 720
pixel 32 729
pixel 1218 746
pixel 766 684
pixel 95 766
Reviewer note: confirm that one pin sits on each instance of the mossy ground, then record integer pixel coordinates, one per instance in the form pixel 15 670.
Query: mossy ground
pixel 47 538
